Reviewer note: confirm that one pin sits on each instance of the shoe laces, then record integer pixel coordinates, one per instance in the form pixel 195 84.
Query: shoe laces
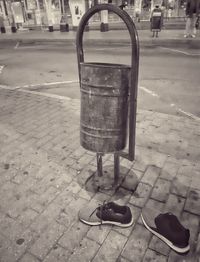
pixel 101 208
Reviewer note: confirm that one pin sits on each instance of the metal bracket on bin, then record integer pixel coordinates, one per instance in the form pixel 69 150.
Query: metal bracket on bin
pixel 132 103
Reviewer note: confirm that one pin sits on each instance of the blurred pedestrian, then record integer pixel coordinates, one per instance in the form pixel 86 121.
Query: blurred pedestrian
pixel 2 27
pixel 156 20
pixel 192 12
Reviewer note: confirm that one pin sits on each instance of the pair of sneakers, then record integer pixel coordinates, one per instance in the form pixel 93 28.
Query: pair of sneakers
pixel 187 36
pixel 165 226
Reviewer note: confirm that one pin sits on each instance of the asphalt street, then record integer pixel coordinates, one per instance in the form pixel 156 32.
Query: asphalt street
pixel 168 77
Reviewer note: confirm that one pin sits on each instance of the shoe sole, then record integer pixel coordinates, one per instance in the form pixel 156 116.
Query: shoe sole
pixel 169 243
pixel 107 223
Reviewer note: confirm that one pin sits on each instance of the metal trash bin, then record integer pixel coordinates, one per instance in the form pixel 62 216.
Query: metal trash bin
pixel 104 106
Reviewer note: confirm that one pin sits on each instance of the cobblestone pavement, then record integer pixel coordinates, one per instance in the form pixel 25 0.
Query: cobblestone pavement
pixel 43 168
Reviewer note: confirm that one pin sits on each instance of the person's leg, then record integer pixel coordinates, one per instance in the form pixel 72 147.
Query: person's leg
pixel 187 27
pixel 193 28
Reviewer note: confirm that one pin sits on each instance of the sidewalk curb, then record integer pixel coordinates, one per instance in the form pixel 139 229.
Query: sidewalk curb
pixel 188 43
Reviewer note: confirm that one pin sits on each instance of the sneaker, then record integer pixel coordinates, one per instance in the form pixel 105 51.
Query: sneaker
pixel 108 213
pixel 168 228
pixel 193 36
pixel 186 36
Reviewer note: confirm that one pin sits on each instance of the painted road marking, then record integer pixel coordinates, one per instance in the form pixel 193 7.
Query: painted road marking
pixel 165 48
pixel 148 91
pixel 188 114
pixel 172 105
pixel 180 51
pixel 17 45
pixel 1 68
pixel 48 84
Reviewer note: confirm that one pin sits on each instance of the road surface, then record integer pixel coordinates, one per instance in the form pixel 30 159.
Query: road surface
pixel 169 78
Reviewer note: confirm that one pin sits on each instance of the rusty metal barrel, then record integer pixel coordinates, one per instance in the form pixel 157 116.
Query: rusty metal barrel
pixel 104 106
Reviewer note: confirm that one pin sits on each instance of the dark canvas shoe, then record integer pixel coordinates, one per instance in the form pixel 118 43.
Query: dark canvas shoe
pixel 109 213
pixel 168 228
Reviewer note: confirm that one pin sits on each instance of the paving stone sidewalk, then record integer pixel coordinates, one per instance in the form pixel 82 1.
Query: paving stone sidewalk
pixel 42 169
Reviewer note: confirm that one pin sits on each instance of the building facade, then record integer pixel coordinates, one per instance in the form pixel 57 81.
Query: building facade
pixel 41 13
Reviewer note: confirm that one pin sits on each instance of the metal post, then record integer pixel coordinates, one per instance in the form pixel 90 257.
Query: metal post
pixel 99 165
pixel 116 168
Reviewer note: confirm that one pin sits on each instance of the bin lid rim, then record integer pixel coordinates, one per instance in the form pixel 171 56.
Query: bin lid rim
pixel 101 64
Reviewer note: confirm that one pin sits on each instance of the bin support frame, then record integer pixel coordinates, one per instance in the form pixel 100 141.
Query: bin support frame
pixel 133 86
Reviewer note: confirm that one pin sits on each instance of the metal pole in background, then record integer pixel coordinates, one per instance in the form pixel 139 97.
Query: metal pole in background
pixel 116 168
pixel 99 165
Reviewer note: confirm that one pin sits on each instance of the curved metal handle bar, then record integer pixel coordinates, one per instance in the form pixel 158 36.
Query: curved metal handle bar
pixel 134 64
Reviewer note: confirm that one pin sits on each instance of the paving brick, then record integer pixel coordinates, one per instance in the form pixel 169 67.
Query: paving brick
pixel 180 185
pixel 44 220
pixel 64 198
pixel 121 196
pixel 43 141
pixel 47 240
pixel 111 248
pixel 85 173
pixel 17 246
pixel 193 153
pixel 195 183
pixel 151 175
pixel 72 237
pixel 74 187
pixel 47 181
pixel 169 170
pixel 29 258
pixel 175 205
pixel 58 254
pixel 27 217
pixel 131 181
pixel 99 234
pixel 161 190
pixel 191 222
pixel 138 164
pixel 193 202
pixel 10 227
pixel 137 244
pixel 151 255
pixel 86 159
pixel 186 170
pixel 138 173
pixel 69 212
pixel 21 176
pixel 159 246
pixel 152 203
pixel 79 152
pixel 146 156
pixel 4 244
pixel 69 162
pixel 191 257
pixel 85 252
pixel 198 244
pixel 86 194
pixel 141 195
pixel 48 196
pixel 122 259
pixel 126 163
